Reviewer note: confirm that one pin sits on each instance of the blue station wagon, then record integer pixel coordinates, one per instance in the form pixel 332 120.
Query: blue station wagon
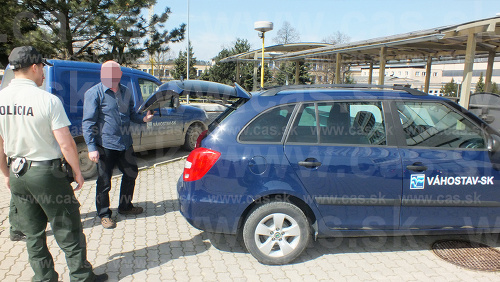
pixel 294 163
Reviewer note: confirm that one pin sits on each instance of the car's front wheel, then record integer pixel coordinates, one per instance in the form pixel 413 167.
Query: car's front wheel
pixel 88 167
pixel 191 137
pixel 276 233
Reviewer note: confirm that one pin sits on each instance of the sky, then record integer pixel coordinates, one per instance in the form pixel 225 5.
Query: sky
pixel 218 23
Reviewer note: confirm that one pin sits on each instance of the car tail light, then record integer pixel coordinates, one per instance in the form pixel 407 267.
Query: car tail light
pixel 198 163
pixel 200 138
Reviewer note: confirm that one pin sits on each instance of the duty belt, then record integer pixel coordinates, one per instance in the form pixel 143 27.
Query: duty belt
pixel 56 162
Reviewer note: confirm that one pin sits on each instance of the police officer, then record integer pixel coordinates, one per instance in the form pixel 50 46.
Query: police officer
pixel 34 135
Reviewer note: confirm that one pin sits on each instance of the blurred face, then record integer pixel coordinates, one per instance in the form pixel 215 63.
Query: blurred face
pixel 111 74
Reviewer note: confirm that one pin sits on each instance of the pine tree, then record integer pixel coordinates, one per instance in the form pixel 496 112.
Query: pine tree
pixel 450 89
pixel 226 72
pixel 480 85
pixel 93 30
pixel 180 65
pixel 494 88
pixel 286 73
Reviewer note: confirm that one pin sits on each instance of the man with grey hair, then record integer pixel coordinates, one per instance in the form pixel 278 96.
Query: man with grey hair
pixel 108 110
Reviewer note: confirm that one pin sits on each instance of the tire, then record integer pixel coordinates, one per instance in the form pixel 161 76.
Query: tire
pixel 276 233
pixel 191 137
pixel 88 168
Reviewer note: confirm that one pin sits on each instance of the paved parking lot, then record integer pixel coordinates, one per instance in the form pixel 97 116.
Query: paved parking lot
pixel 160 245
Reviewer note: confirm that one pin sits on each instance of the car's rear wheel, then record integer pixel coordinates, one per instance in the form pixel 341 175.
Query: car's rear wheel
pixel 276 233
pixel 88 168
pixel 191 137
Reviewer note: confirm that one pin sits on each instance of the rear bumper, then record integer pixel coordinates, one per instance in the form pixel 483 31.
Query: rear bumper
pixel 207 212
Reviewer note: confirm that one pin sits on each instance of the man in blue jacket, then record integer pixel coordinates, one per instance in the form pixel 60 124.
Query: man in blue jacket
pixel 107 112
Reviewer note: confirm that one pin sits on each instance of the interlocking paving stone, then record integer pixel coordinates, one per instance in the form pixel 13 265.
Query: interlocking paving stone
pixel 160 245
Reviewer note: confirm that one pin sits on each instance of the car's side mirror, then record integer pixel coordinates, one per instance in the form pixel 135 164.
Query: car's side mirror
pixel 175 103
pixel 488 118
pixel 493 143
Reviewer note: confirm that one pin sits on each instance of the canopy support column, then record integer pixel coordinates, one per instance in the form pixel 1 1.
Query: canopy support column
pixel 255 72
pixel 428 74
pixel 381 71
pixel 297 72
pixel 489 71
pixel 470 53
pixel 338 63
pixel 370 73
pixel 238 71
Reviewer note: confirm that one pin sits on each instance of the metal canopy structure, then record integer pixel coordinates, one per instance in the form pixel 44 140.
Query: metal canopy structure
pixel 273 52
pixel 467 42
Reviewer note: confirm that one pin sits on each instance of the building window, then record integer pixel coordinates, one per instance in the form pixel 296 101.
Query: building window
pixel 417 73
pixel 434 74
pixel 423 73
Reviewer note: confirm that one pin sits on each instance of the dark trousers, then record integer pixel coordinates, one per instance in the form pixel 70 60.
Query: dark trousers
pixel 127 164
pixel 44 194
pixel 14 218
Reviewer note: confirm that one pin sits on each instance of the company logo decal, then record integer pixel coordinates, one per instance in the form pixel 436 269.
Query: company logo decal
pixel 417 181
pixel 460 180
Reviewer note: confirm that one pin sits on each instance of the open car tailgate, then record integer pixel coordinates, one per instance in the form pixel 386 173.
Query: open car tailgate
pixel 168 93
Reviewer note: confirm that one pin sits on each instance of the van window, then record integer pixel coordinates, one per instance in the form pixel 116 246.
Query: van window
pixel 147 88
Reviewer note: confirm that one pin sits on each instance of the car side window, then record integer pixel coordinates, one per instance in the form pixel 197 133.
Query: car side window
pixel 147 88
pixel 431 124
pixel 269 126
pixel 304 128
pixel 339 123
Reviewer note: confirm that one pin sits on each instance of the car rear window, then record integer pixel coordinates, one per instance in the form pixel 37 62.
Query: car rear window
pixel 268 126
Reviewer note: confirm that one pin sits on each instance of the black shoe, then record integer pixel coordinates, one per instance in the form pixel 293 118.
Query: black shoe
pixel 133 211
pixel 101 277
pixel 17 236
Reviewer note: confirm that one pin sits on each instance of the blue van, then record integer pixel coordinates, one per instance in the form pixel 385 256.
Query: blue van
pixel 171 127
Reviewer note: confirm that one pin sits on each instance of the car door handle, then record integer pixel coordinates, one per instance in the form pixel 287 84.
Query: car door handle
pixel 310 163
pixel 418 167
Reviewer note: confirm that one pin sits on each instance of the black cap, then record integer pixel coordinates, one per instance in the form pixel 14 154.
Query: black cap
pixel 25 56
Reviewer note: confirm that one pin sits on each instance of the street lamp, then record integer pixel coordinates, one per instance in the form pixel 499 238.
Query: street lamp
pixel 262 27
pixel 187 64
